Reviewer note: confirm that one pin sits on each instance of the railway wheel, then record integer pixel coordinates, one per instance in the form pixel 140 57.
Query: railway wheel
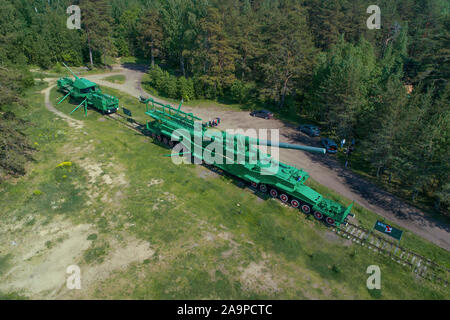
pixel 306 208
pixel 263 188
pixel 165 140
pixel 318 215
pixel 254 184
pixel 330 221
pixel 171 143
pixel 159 138
pixel 154 136
pixel 295 203
pixel 273 193
pixel 284 197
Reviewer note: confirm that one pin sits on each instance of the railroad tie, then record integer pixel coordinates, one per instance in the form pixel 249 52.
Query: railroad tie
pixel 419 263
pixel 376 245
pixel 348 233
pixel 391 246
pixel 371 243
pixel 358 236
pixel 424 270
pixel 359 233
pixel 407 256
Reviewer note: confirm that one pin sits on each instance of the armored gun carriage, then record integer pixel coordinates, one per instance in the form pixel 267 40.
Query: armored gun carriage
pixel 241 157
pixel 87 91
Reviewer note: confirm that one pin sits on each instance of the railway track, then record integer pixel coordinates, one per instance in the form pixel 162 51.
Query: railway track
pixel 128 122
pixel 420 265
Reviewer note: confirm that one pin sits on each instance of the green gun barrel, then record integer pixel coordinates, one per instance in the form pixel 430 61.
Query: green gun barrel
pixel 76 77
pixel 285 145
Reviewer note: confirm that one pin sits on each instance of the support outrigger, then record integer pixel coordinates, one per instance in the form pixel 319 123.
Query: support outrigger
pixel 85 107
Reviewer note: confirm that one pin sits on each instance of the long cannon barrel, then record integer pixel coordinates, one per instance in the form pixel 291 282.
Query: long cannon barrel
pixel 76 77
pixel 285 145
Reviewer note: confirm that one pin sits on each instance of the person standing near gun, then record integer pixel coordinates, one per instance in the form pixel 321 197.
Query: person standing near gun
pixel 349 152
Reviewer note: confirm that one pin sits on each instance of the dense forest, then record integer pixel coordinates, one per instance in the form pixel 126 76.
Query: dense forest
pixel 386 88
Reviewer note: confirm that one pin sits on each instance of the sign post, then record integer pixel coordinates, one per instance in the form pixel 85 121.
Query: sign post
pixel 127 112
pixel 389 230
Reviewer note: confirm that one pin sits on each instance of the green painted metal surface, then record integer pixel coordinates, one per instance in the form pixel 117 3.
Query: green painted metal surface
pixel 86 90
pixel 127 112
pixel 265 173
pixel 389 230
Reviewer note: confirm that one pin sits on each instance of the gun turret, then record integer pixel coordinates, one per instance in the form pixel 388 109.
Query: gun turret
pixel 76 77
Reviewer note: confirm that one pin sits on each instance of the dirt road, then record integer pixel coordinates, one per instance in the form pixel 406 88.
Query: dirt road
pixel 71 121
pixel 321 168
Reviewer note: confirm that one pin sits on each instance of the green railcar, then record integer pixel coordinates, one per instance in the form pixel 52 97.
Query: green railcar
pixel 87 91
pixel 241 158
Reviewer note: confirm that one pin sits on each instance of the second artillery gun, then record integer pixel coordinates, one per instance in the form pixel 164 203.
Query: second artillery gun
pixel 264 174
pixel 87 91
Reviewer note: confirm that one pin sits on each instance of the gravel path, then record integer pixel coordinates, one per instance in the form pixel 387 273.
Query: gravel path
pixel 77 124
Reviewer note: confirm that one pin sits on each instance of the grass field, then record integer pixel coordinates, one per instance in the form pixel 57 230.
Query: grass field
pixel 198 235
pixel 134 60
pixel 116 78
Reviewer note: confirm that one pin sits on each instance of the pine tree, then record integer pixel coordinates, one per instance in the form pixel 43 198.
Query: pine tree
pixel 96 22
pixel 180 24
pixel 325 18
pixel 384 141
pixel 289 52
pixel 344 82
pixel 244 26
pixel 150 34
pixel 126 33
pixel 215 57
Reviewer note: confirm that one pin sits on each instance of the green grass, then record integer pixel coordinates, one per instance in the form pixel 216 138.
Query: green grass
pixel 133 60
pixel 56 72
pixel 97 252
pixel 116 78
pixel 5 263
pixel 12 296
pixel 205 247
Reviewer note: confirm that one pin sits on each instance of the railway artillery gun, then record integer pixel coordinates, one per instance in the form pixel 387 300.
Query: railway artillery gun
pixel 87 91
pixel 241 158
